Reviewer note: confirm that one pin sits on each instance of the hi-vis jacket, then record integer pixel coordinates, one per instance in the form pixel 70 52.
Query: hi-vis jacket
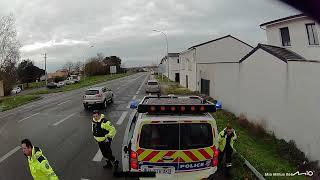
pixel 223 139
pixel 39 166
pixel 102 129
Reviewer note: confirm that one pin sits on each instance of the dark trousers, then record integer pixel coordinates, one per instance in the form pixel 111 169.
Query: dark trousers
pixel 228 152
pixel 105 148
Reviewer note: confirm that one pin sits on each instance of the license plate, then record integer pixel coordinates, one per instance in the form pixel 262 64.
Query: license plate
pixel 159 170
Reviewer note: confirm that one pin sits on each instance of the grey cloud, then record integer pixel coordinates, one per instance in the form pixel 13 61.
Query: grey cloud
pixel 124 28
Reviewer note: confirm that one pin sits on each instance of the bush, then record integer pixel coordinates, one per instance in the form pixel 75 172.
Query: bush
pixel 289 151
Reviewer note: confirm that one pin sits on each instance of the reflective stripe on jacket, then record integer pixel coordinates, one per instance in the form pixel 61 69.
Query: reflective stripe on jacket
pixel 39 166
pixel 102 129
pixel 223 139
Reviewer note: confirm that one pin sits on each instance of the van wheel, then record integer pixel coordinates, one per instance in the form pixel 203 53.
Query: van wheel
pixel 111 100
pixel 85 107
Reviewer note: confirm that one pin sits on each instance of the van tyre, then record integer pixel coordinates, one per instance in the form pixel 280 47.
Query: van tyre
pixel 85 107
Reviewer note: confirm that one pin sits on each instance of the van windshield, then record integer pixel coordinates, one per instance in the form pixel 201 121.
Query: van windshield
pixel 166 136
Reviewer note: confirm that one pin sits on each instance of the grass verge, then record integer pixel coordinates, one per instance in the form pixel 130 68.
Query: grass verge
pixel 83 83
pixel 260 151
pixel 34 85
pixel 15 101
pixel 170 87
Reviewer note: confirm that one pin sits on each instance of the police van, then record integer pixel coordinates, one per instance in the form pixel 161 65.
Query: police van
pixel 175 137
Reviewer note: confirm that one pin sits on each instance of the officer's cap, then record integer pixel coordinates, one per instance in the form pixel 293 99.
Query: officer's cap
pixel 95 112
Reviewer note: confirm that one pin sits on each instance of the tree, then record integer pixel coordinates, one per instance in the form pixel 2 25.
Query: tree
pixel 9 52
pixel 28 72
pixel 69 65
pixel 77 67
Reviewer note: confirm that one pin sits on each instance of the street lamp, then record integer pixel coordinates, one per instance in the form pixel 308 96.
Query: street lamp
pixel 166 46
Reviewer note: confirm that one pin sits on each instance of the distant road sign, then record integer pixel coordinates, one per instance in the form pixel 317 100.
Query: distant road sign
pixel 113 69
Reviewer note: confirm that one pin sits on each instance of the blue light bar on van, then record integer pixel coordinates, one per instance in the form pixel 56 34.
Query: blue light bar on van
pixel 218 105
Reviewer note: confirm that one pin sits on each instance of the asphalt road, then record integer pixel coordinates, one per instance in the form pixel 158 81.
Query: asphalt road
pixel 60 126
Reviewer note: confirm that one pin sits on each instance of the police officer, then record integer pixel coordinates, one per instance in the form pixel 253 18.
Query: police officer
pixel 39 166
pixel 226 139
pixel 104 132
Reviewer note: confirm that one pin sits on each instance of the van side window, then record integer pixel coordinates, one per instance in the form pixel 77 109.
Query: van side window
pixel 132 126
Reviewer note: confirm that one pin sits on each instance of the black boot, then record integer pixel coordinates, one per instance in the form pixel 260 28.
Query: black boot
pixel 108 165
pixel 115 165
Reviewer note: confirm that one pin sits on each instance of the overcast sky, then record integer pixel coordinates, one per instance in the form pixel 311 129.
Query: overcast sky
pixel 66 29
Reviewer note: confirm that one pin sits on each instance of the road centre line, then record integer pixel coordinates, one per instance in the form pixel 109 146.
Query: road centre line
pixel 28 117
pixel 122 117
pixel 98 156
pixel 141 85
pixel 63 102
pixel 129 104
pixel 9 154
pixel 59 122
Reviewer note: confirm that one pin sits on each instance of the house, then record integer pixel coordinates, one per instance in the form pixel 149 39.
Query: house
pixel 279 89
pixel 58 73
pixel 202 64
pixel 170 66
pixel 172 62
pixel 298 33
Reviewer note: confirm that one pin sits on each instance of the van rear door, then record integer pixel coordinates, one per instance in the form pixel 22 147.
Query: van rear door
pixel 197 146
pixel 158 148
pixel 168 148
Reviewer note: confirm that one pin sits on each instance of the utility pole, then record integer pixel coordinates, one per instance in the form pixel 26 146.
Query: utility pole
pixel 45 68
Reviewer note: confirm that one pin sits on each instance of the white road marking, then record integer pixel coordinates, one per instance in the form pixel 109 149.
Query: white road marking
pixel 129 104
pixel 28 117
pixel 59 122
pixel 98 156
pixel 141 85
pixel 9 154
pixel 84 179
pixel 122 117
pixel 134 97
pixel 149 94
pixel 7 115
pixel 63 102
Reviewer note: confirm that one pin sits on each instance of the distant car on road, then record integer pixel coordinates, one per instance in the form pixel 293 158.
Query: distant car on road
pixel 68 82
pixel 74 78
pixel 152 86
pixel 97 96
pixel 52 85
pixel 61 84
pixel 16 90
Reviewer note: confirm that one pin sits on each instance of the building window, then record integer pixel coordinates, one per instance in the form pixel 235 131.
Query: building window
pixel 178 60
pixel 312 34
pixel 285 36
